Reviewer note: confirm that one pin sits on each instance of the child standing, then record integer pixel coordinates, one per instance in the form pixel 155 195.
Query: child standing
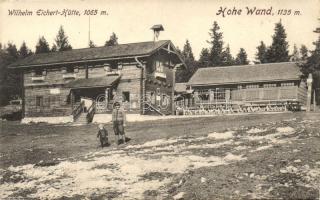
pixel 119 120
pixel 103 135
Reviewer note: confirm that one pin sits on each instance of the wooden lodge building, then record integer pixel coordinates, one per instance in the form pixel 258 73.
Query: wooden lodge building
pixel 90 80
pixel 238 87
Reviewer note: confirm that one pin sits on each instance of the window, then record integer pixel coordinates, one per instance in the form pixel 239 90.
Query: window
pixel 252 86
pixel 269 85
pixel 39 101
pixel 287 84
pixel 126 96
pixel 114 65
pixel 70 70
pixel 159 66
pixel 38 72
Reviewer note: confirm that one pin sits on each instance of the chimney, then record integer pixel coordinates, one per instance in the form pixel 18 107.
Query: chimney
pixel 156 31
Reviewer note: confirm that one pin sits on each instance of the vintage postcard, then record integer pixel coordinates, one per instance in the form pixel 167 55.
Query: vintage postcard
pixel 159 99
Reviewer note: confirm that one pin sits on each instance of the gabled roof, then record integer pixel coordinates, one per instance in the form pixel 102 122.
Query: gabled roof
pixel 89 54
pixel 246 74
pixel 105 81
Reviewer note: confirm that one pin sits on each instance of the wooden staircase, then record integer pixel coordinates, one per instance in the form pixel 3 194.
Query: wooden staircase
pixel 80 117
pixel 153 109
pixel 81 120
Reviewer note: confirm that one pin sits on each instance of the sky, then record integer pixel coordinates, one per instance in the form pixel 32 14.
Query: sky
pixel 182 19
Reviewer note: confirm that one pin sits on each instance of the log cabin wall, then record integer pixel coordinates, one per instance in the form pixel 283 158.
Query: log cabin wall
pixel 44 92
pixel 46 101
pixel 159 81
pixel 128 90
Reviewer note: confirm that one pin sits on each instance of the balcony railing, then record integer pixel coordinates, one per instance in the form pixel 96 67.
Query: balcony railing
pixel 160 75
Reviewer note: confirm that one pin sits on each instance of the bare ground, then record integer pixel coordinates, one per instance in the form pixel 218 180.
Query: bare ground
pixel 227 157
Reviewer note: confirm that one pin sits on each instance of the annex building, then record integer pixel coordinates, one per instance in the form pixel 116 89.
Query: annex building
pixel 243 88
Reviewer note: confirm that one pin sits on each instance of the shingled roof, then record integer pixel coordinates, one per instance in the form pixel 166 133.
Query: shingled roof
pixel 246 74
pixel 87 54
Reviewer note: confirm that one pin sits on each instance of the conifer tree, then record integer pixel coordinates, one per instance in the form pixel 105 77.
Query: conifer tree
pixel 261 54
pixel 295 54
pixel 313 66
pixel 54 48
pixel 12 51
pixel 42 46
pixel 91 44
pixel 242 57
pixel 278 51
pixel 204 59
pixel 61 40
pixel 304 52
pixel 10 80
pixel 228 60
pixel 24 51
pixel 313 62
pixel 216 45
pixel 187 55
pixel 113 40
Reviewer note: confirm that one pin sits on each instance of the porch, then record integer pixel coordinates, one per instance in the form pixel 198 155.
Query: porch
pixel 92 95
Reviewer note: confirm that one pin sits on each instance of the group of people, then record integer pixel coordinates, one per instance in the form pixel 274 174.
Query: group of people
pixel 119 122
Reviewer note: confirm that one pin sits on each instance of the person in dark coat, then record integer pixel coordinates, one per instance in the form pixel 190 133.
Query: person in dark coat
pixel 119 122
pixel 102 135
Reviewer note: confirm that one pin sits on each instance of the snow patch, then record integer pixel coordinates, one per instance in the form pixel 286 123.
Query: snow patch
pixel 232 157
pixel 256 130
pixel 262 148
pixel 221 136
pixel 49 120
pixel 154 143
pixel 115 170
pixel 285 130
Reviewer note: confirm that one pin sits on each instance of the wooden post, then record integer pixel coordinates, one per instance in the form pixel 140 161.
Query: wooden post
pixel 23 97
pixel 314 101
pixel 173 107
pixel 143 90
pixel 309 85
pixel 107 97
pixel 72 98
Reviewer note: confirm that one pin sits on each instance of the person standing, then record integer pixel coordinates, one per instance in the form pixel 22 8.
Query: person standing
pixel 119 122
pixel 102 135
